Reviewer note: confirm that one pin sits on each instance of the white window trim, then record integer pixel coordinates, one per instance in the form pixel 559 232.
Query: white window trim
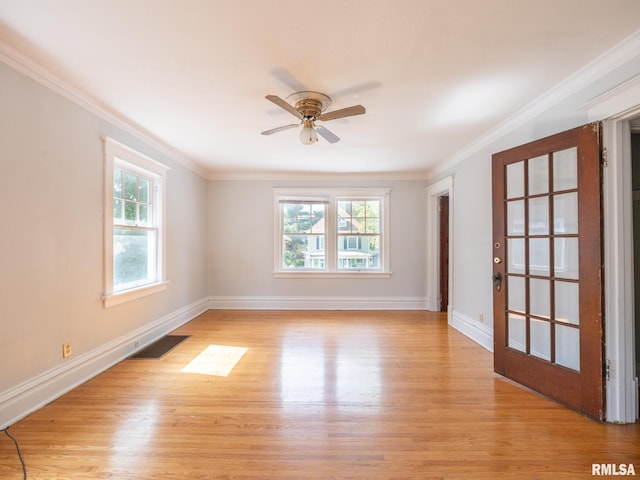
pixel 331 195
pixel 113 152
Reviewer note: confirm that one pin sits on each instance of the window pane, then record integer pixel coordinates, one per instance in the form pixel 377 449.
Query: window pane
pixel 515 180
pixel 515 218
pixel 303 251
pixel 539 297
pixel 372 225
pixel 539 263
pixel 130 186
pixel 516 293
pixel 515 255
pixel 132 257
pixel 565 171
pixel 565 213
pixel 117 183
pixel 540 339
pixel 566 263
pixel 517 332
pixel 130 212
pixel 567 302
pixel 539 216
pixel 539 175
pixel 118 215
pixel 358 252
pixel 143 193
pixel 144 211
pixel 568 347
pixel 317 218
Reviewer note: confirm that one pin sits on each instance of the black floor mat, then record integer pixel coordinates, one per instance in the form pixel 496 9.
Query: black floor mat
pixel 160 348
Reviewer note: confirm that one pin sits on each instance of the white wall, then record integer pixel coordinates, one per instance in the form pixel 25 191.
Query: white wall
pixel 241 251
pixel 472 255
pixel 51 257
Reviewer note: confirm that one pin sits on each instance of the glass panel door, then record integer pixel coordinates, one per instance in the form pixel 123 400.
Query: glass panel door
pixel 547 267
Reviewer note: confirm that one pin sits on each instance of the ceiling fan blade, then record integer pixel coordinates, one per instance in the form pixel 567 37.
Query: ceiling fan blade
pixel 343 112
pixel 284 105
pixel 280 129
pixel 327 135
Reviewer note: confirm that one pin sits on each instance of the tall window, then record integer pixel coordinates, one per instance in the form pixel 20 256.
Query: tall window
pixel 332 231
pixel 134 226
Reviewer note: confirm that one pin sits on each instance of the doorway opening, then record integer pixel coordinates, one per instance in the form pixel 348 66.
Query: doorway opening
pixel 435 272
pixel 444 252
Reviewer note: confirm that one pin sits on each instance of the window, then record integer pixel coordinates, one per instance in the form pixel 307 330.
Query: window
pixel 134 224
pixel 331 231
pixel 303 232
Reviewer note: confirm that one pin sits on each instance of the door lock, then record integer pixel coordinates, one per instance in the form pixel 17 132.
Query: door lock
pixel 497 260
pixel 497 281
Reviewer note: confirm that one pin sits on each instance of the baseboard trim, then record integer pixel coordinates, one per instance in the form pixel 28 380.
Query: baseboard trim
pixel 18 402
pixel 476 331
pixel 317 303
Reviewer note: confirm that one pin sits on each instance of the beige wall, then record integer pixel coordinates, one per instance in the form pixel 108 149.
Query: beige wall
pixel 51 274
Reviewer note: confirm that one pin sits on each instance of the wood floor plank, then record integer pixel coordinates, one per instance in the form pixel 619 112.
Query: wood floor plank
pixel 317 395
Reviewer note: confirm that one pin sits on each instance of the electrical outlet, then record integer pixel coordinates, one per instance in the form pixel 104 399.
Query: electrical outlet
pixel 481 318
pixel 66 350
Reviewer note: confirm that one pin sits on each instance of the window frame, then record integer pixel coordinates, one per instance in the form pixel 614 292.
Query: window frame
pixel 117 155
pixel 331 196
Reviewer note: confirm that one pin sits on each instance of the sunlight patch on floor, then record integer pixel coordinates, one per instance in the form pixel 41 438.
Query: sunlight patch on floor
pixel 216 360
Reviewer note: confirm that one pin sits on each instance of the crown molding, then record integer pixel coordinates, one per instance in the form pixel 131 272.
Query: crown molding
pixel 318 176
pixel 613 58
pixel 33 70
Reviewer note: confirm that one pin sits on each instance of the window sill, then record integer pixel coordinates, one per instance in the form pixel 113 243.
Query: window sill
pixel 112 299
pixel 345 274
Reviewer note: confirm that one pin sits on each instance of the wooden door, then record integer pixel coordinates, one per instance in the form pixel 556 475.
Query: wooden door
pixel 444 253
pixel 547 248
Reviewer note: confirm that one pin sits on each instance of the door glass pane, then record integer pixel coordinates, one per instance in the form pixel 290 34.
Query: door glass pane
pixel 565 213
pixel 539 263
pixel 539 175
pixel 540 340
pixel 517 336
pixel 515 217
pixel 539 216
pixel 567 306
pixel 539 297
pixel 568 347
pixel 515 180
pixel 516 294
pixel 515 254
pixel 566 258
pixel 565 171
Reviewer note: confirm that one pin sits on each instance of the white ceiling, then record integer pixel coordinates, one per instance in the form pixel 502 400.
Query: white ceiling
pixel 434 76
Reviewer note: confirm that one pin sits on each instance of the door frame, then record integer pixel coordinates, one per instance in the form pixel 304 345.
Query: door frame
pixel 616 108
pixel 622 382
pixel 434 192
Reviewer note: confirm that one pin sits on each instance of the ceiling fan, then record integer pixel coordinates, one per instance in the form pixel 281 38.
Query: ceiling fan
pixel 308 107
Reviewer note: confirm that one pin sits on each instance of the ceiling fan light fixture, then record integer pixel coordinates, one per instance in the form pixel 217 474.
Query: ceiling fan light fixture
pixel 308 134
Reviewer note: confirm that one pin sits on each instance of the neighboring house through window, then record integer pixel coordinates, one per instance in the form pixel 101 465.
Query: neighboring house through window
pixel 332 231
pixel 134 224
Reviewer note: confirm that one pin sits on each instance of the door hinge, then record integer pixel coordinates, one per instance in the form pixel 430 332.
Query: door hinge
pixel 604 157
pixel 607 370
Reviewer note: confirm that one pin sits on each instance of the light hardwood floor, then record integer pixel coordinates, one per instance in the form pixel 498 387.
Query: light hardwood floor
pixel 317 395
